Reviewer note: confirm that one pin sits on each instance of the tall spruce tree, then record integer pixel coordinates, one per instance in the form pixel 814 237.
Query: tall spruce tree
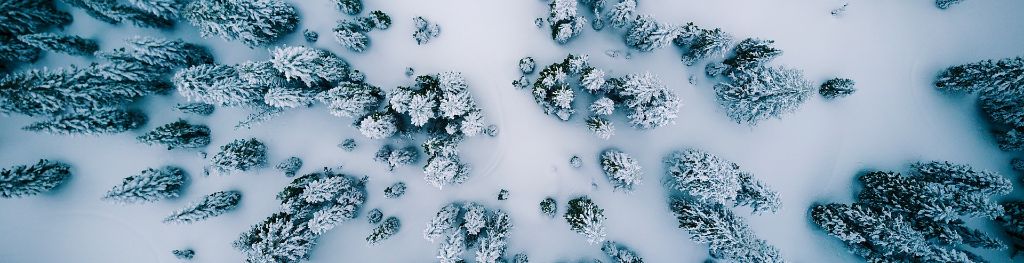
pixel 29 180
pixel 623 171
pixel 240 155
pixel 649 103
pixel 586 218
pixel 647 35
pixel 712 179
pixel 148 186
pixel 763 93
pixel 102 121
pixel 564 21
pixel 726 235
pixel 178 134
pixel 69 44
pixel 253 22
pixel 211 205
pixel 389 227
pixel 997 83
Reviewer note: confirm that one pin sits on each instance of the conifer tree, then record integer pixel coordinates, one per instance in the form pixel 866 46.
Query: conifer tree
pixel 446 219
pixel 649 103
pixel 1012 222
pixel 444 166
pixel 763 93
pixel 425 30
pixel 603 106
pixel 707 43
pixel 394 191
pixel 440 101
pixel 593 80
pixel 564 21
pixel 837 88
pixel 586 218
pixel 352 99
pixel 378 125
pixel 314 67
pixel 162 55
pixel 374 216
pixel 277 239
pixel 240 155
pixel 166 9
pixel 73 45
pixel 997 83
pixel 622 170
pixel 216 84
pixel 393 157
pixel 943 4
pixel 150 185
pixel 253 22
pixel 389 227
pixel 527 65
pixel 726 235
pixel 712 179
pixel 493 245
pixel 601 127
pixel 100 121
pixel 209 206
pixel 349 7
pixel 622 13
pixel 178 134
pixel 351 33
pixel 751 53
pixel 647 35
pixel 22 18
pixel 289 166
pixel 29 180
pixel 552 90
pixel 452 247
pixel 197 108
pixel 549 207
pixel 619 253
pixel 596 8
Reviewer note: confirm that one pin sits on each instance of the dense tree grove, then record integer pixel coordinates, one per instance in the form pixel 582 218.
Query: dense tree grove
pixel 459 228
pixel 310 206
pixel 997 84
pixel 564 21
pixel 917 217
pixel 29 180
pixel 150 185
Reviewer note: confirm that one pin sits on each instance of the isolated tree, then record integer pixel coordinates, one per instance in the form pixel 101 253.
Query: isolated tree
pixel 184 254
pixel 647 35
pixel 586 218
pixel 726 235
pixel 313 67
pixel 445 220
pixel 99 121
pixel 277 239
pixel 352 99
pixel 349 7
pixel 374 216
pixel 425 30
pixel 178 134
pixel 385 230
pixel 622 13
pixel 378 125
pixel 564 21
pixel 29 180
pixel 289 166
pixel 601 127
pixel 622 171
pixel 575 161
pixel 240 155
pixel 527 65
pixel 73 45
pixel 763 93
pixel 649 103
pixel 751 53
pixel 394 191
pixel 148 186
pixel 943 4
pixel 837 88
pixel 209 206
pixel 549 207
pixel 619 253
pixel 253 22
pixel 707 43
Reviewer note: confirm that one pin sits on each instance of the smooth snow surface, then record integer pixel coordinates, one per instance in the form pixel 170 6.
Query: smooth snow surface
pixel 892 49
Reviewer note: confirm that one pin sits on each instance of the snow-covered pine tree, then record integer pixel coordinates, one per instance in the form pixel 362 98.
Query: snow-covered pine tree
pixel 837 88
pixel 1012 222
pixel 441 103
pixel 763 93
pixel 160 55
pixel 527 65
pixel 374 216
pixel 943 4
pixel 647 35
pixel 348 145
pixel 552 90
pixel 425 30
pixel 99 121
pixel 649 103
pixel 549 207
pixel 27 17
pixel 379 19
pixel 475 219
pixel 352 100
pixel 751 53
pixel 394 191
pixel 564 21
pixel 394 157
pixel 596 8
pixel 707 43
pixel 622 13
pixel 726 235
pixel 69 44
pixel 165 9
pixel 289 166
pixel 603 106
pixel 253 22
pixel 452 247
pixel 240 155
pixel 601 127
pixel 940 191
pixel 178 134
pixel 197 108
pixel 289 97
pixel 148 186
pixel 575 161
pixel 278 239
pixel 493 245
pixel 351 33
pixel 445 220
pixel 385 230
pixel 314 67
pixel 586 218
pixel 622 171
pixel 29 180
pixel 620 253
pixel 757 195
pixel 443 166
pixel 704 176
pixel 987 76
pixel 593 80
pixel 216 84
pixel 212 205
pixel 184 254
pixel 378 125
pixel 349 7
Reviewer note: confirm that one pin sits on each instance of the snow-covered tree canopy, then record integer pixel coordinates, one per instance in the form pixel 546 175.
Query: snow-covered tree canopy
pixel 461 227
pixel 150 185
pixel 998 84
pixel 712 179
pixel 253 22
pixel 28 180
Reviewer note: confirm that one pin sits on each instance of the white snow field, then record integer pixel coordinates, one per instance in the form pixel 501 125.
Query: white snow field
pixel 892 49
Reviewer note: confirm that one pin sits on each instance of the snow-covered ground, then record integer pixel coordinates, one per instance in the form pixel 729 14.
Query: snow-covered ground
pixel 893 49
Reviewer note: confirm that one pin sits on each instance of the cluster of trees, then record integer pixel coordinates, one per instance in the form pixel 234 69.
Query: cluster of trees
pixel 647 102
pixel 29 180
pixel 92 99
pixel 998 85
pixel 752 91
pixel 702 184
pixel 425 30
pixel 920 217
pixel 255 23
pixel 390 156
pixel 351 33
pixel 460 227
pixel 310 206
pixel 25 18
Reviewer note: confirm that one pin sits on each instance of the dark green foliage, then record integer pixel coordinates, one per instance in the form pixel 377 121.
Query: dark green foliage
pixel 310 36
pixel 1013 224
pixel 837 88
pixel 586 218
pixel 103 121
pixel 178 134
pixel 25 180
pixel 73 45
pixel 150 185
pixel 503 195
pixel 751 53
